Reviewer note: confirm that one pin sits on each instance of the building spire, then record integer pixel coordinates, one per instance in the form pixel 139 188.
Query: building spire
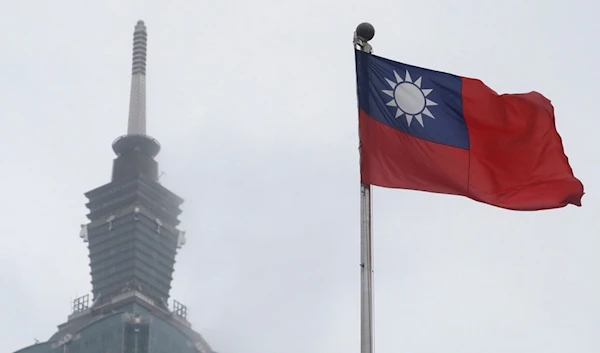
pixel 136 151
pixel 137 99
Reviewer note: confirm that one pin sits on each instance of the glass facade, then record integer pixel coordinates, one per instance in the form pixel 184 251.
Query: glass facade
pixel 125 333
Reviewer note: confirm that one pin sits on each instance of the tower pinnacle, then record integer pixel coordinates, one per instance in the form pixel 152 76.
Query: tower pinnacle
pixel 136 150
pixel 137 98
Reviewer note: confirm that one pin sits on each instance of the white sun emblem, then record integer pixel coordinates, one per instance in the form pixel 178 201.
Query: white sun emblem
pixel 409 98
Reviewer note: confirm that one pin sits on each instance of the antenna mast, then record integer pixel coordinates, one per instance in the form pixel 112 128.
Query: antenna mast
pixel 137 98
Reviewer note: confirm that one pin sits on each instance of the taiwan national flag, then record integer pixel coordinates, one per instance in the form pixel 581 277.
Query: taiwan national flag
pixel 431 131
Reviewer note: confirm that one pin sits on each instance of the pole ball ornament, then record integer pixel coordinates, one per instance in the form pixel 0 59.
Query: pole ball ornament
pixel 365 31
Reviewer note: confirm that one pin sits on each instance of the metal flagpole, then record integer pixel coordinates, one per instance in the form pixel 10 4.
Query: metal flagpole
pixel 365 32
pixel 366 280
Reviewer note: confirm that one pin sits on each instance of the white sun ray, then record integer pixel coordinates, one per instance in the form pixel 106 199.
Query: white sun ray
pixel 409 99
pixel 428 113
pixel 398 78
pixel 419 118
pixel 391 83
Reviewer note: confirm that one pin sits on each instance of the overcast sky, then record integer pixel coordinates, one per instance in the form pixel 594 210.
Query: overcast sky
pixel 254 103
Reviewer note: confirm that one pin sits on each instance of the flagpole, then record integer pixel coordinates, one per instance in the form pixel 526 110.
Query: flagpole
pixel 364 33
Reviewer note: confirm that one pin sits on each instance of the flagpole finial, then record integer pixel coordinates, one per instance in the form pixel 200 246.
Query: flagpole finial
pixel 362 35
pixel 365 31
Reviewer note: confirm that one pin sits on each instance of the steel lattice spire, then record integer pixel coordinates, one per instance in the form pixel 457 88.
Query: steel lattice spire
pixel 137 99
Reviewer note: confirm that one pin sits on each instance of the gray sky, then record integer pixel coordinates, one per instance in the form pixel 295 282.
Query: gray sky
pixel 254 104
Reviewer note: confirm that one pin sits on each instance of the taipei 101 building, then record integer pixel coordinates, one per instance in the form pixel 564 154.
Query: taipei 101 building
pixel 132 237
